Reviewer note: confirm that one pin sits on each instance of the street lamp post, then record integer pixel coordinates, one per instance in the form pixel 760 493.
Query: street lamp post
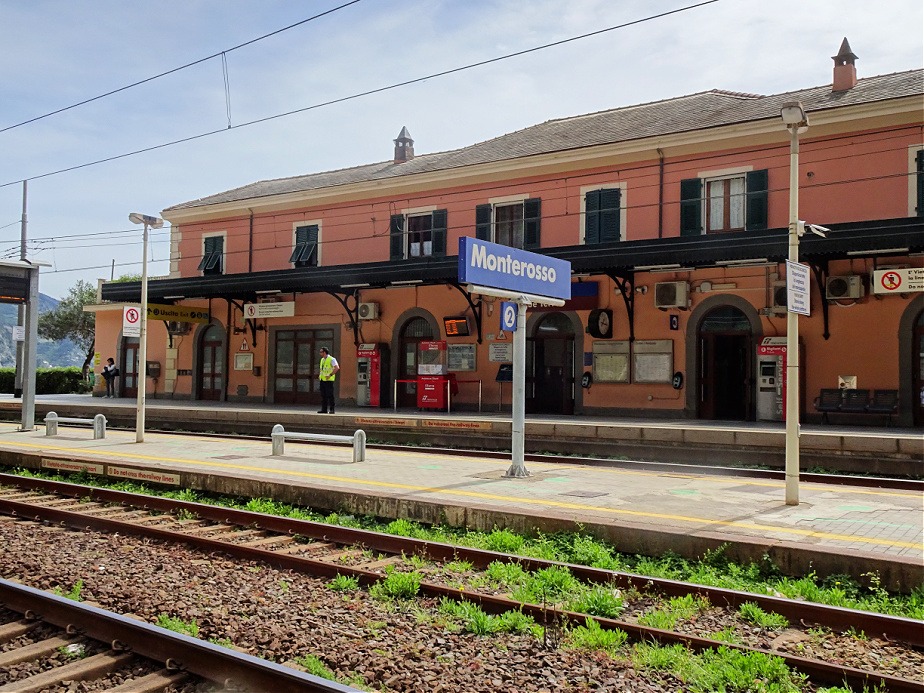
pixel 793 115
pixel 141 374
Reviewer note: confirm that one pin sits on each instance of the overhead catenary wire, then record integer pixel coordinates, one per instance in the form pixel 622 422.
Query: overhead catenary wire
pixel 181 67
pixel 358 95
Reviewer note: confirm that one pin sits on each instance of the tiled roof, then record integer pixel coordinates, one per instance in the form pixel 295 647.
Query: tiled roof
pixel 681 114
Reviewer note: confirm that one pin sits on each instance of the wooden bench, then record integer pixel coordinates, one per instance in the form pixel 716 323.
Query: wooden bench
pixel 838 401
pixel 98 422
pixel 357 440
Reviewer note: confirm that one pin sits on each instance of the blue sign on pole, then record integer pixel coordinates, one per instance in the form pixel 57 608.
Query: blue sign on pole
pixel 508 321
pixel 512 269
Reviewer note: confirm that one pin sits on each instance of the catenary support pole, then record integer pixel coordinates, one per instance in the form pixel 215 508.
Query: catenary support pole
pixel 141 375
pixel 792 334
pixel 21 313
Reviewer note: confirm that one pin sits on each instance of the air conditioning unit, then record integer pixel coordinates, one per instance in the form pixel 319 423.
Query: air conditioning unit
pixel 848 286
pixel 779 298
pixel 671 295
pixel 176 327
pixel 368 311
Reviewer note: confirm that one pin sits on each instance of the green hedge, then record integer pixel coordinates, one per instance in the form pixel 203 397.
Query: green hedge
pixel 48 381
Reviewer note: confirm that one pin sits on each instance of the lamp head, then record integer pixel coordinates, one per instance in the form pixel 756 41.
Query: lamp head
pixel 153 222
pixel 793 115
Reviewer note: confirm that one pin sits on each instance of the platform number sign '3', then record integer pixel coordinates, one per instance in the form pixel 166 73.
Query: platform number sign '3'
pixel 508 316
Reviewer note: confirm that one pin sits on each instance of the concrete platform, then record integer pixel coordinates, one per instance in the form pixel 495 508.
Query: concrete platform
pixel 849 449
pixel 835 529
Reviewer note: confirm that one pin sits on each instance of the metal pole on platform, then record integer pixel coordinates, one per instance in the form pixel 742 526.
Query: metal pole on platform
pixel 518 423
pixel 793 115
pixel 141 374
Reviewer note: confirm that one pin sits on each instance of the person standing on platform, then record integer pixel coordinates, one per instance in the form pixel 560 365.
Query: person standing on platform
pixel 109 375
pixel 328 375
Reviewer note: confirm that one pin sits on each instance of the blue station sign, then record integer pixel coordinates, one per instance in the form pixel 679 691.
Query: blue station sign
pixel 503 267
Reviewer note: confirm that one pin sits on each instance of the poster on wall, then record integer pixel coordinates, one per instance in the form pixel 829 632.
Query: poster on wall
pixel 653 361
pixel 461 357
pixel 243 361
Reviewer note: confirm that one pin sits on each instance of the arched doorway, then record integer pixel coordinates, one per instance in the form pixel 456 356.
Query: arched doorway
pixel 917 375
pixel 725 365
pixel 550 366
pixel 128 367
pixel 212 363
pixel 414 331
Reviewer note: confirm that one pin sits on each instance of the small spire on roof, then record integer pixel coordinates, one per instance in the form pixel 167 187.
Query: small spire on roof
pixel 404 146
pixel 845 71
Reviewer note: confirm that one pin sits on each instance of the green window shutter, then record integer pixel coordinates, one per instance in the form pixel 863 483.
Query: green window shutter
pixel 396 231
pixel 211 257
pixel 592 217
pixel 532 217
pixel 756 212
pixel 609 215
pixel 305 252
pixel 691 207
pixel 920 205
pixel 483 222
pixel 438 230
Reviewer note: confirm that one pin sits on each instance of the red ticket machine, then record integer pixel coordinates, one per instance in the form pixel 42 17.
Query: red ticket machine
pixel 432 369
pixel 371 375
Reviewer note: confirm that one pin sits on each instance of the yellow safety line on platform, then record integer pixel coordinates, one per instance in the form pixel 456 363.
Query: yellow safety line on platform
pixel 497 497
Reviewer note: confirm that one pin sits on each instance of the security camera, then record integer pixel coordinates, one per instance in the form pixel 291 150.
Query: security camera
pixel 818 230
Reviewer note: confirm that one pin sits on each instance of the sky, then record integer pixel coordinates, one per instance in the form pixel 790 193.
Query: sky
pixel 57 53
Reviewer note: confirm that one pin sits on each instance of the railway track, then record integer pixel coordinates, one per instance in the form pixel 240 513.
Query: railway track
pixel 328 551
pixel 49 641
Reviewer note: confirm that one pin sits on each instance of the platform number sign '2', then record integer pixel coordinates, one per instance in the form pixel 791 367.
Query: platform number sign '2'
pixel 508 316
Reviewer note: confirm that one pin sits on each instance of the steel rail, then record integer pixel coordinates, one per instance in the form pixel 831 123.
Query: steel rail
pixel 888 627
pixel 819 671
pixel 212 662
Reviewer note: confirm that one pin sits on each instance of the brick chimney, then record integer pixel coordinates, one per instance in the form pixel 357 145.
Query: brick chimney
pixel 404 147
pixel 845 72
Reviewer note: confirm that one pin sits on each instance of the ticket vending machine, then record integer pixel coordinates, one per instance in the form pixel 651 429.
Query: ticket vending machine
pixel 771 373
pixel 432 370
pixel 771 378
pixel 372 375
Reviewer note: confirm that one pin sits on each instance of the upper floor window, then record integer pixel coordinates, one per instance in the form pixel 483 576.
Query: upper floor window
pixel 212 255
pixel 515 224
pixel 602 222
pixel 733 202
pixel 418 234
pixel 305 252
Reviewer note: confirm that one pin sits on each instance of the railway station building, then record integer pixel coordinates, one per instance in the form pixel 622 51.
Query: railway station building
pixel 673 214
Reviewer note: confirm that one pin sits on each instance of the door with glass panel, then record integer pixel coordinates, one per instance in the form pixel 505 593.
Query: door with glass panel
pixel 415 331
pixel 212 363
pixel 126 385
pixel 297 362
pixel 917 392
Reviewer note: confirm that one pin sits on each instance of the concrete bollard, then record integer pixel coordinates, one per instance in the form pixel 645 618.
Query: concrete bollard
pixel 51 424
pixel 359 446
pixel 279 440
pixel 99 427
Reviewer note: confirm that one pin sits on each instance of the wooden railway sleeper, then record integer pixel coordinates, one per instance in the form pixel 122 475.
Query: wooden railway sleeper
pixel 83 670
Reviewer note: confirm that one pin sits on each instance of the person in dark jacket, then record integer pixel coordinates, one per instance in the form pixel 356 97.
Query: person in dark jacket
pixel 109 375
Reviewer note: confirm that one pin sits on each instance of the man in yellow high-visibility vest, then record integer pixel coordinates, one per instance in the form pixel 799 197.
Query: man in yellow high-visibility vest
pixel 327 375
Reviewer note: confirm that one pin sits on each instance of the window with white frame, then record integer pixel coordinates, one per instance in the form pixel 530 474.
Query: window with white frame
pixel 725 200
pixel 515 224
pixel 305 250
pixel 417 234
pixel 213 250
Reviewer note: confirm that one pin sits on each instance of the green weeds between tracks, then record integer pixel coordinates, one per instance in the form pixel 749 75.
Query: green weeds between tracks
pixel 716 568
pixel 177 625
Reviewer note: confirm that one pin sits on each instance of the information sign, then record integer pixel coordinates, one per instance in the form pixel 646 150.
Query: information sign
pixel 500 352
pixel 19 333
pixel 508 316
pixel 285 309
pixel 797 288
pixel 161 311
